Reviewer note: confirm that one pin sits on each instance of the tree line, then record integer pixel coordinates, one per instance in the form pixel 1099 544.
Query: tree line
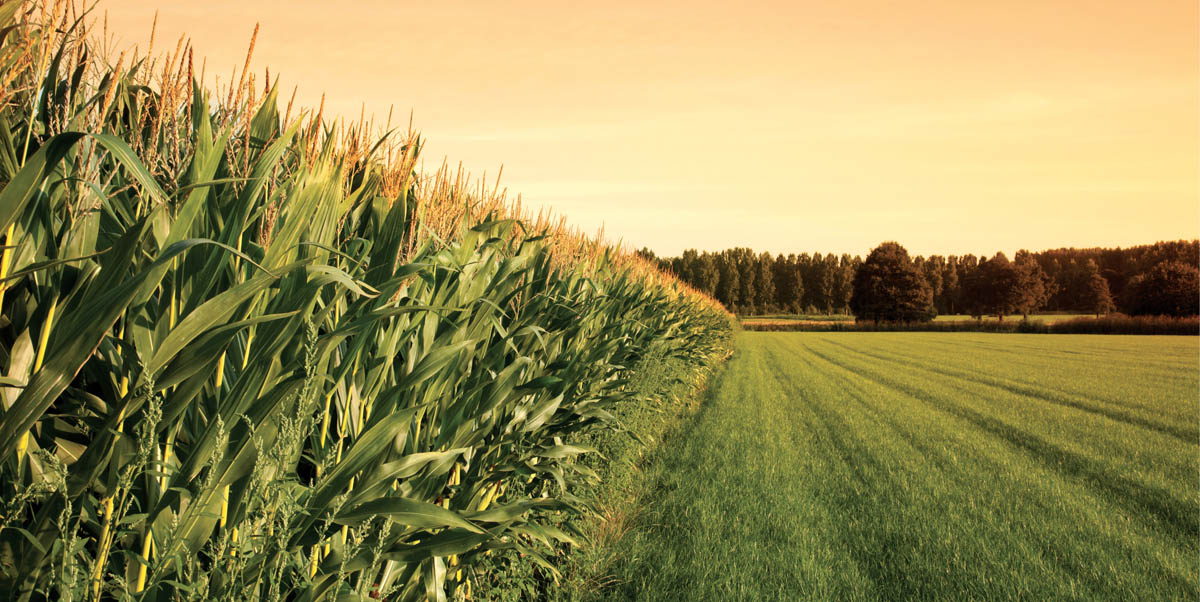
pixel 1146 279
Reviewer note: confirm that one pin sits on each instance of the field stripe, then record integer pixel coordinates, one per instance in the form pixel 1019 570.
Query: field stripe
pixel 980 539
pixel 817 473
pixel 1154 506
pixel 1165 568
pixel 1189 435
pixel 951 471
pixel 1173 362
pixel 1160 459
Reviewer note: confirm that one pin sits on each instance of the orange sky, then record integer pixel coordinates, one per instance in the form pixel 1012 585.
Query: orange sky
pixel 950 126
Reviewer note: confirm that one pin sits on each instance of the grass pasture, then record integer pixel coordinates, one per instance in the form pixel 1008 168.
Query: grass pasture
pixel 827 318
pixel 927 466
pixel 799 318
pixel 1046 318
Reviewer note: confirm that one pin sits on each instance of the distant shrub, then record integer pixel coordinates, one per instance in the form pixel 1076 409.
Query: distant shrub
pixel 1122 324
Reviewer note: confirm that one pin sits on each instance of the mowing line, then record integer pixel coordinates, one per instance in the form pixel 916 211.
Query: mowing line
pixel 1100 436
pixel 1135 362
pixel 1154 506
pixel 915 554
pixel 1057 397
pixel 1165 568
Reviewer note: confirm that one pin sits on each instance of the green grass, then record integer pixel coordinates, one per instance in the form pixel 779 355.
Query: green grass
pixel 799 318
pixel 787 318
pixel 889 466
pixel 1047 318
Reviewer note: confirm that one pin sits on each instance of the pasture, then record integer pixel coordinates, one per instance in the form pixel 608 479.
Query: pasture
pixel 826 318
pixel 927 466
pixel 1047 318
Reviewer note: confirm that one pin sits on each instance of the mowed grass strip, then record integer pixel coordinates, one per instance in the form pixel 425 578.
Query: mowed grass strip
pixel 1047 318
pixel 819 318
pixel 929 466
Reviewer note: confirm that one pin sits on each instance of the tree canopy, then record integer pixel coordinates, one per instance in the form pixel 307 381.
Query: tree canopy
pixel 889 287
pixel 1169 289
pixel 1062 280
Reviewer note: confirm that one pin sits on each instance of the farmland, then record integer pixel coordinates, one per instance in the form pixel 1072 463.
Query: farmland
pixel 252 351
pixel 248 355
pixel 822 318
pixel 886 466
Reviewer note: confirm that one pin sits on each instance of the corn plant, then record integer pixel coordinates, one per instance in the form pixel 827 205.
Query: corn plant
pixel 254 356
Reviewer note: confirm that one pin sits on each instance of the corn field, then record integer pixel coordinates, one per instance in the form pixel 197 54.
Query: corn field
pixel 248 354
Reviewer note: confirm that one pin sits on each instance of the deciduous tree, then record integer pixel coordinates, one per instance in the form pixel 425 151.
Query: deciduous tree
pixel 1170 288
pixel 1032 285
pixel 1100 298
pixel 889 288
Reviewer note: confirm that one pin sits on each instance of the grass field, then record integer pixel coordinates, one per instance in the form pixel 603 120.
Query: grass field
pixel 790 318
pixel 799 318
pixel 1048 318
pixel 891 466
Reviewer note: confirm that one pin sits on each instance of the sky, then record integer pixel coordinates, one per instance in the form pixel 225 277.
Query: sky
pixel 952 127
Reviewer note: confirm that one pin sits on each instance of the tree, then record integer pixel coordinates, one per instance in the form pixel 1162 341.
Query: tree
pixel 728 287
pixel 888 287
pixel 705 274
pixel 745 263
pixel 993 288
pixel 764 290
pixel 805 273
pixel 1169 289
pixel 975 288
pixel 1033 287
pixel 843 282
pixel 661 263
pixel 797 280
pixel 933 269
pixel 948 302
pixel 1100 298
pixel 684 266
pixel 820 284
pixel 1073 279
pixel 788 288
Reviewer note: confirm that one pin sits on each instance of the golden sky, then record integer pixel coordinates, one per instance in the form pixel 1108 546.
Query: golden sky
pixel 949 126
